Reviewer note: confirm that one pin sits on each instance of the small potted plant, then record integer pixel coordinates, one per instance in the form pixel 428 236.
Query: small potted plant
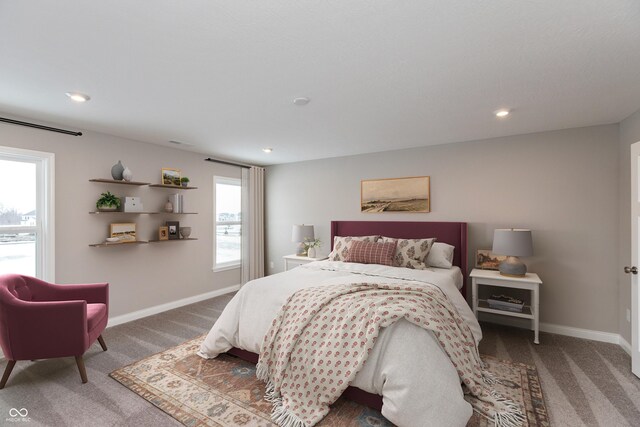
pixel 311 245
pixel 108 202
pixel 184 181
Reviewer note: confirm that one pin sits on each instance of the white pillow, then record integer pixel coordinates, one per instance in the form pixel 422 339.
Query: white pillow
pixel 440 255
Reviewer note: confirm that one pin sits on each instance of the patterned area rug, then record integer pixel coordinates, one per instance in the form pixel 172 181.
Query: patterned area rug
pixel 225 391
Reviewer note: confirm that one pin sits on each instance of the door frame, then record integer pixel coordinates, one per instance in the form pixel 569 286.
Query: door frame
pixel 635 260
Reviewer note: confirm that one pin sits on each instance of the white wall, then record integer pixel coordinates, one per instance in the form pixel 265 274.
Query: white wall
pixel 629 134
pixel 562 185
pixel 140 276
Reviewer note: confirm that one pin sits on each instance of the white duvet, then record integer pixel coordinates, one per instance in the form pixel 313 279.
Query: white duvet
pixel 418 384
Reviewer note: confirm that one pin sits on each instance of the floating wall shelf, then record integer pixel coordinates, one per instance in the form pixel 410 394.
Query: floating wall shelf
pixel 104 245
pixel 113 181
pixel 134 183
pixel 142 213
pixel 172 240
pixel 179 213
pixel 174 187
pixel 120 212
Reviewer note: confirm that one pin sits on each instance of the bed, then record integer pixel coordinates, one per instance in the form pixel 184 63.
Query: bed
pixel 408 377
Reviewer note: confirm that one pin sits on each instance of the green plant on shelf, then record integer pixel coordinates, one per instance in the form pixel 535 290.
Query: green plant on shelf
pixel 108 201
pixel 184 181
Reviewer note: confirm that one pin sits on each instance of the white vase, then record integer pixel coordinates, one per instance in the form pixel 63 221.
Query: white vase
pixel 127 175
pixel 311 252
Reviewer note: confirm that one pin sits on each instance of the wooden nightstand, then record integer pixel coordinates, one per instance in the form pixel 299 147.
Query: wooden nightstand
pixel 530 282
pixel 291 261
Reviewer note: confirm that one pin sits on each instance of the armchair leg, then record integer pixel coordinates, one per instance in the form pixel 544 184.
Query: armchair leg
pixel 7 372
pixel 81 368
pixel 102 344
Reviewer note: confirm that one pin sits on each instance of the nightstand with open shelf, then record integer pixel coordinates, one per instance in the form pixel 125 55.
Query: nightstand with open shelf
pixel 530 282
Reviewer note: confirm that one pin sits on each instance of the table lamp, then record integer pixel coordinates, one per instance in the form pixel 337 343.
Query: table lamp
pixel 299 234
pixel 513 243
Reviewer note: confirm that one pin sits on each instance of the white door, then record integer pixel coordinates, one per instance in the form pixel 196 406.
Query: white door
pixel 633 268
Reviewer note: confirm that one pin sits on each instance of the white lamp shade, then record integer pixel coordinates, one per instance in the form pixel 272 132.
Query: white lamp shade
pixel 512 242
pixel 301 232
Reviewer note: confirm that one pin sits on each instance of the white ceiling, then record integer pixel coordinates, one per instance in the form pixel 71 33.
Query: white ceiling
pixel 381 75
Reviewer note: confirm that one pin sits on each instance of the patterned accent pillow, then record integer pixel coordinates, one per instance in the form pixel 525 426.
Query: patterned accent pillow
pixel 411 253
pixel 440 255
pixel 371 253
pixel 341 245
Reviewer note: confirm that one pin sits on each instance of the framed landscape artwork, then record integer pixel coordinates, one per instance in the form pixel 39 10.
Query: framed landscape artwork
pixel 411 194
pixel 125 232
pixel 487 260
pixel 171 176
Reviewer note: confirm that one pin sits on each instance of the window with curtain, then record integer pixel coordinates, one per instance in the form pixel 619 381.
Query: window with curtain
pixel 227 239
pixel 26 213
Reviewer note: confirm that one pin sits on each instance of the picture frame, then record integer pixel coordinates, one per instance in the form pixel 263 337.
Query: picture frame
pixel 410 194
pixel 487 260
pixel 173 230
pixel 171 177
pixel 124 232
pixel 163 233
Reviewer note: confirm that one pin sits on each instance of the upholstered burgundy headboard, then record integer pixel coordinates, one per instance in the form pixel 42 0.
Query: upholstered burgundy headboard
pixel 453 233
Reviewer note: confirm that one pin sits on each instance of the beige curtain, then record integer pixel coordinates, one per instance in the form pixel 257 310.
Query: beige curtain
pixel 252 224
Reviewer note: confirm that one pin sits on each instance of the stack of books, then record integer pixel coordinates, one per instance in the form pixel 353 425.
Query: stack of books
pixel 505 302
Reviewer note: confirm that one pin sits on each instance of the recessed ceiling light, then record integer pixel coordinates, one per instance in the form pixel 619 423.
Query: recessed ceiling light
pixel 301 101
pixel 502 113
pixel 78 97
pixel 267 149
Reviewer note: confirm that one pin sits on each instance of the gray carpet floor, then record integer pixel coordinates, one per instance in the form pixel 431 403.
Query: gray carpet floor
pixel 54 396
pixel 584 382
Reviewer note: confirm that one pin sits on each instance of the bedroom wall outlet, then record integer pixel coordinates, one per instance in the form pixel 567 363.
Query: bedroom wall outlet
pixel 271 265
pixel 628 315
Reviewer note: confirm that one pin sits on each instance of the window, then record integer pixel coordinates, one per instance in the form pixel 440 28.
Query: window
pixel 26 213
pixel 227 240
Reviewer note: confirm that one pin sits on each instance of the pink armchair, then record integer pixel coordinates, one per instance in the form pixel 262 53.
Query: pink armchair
pixel 40 320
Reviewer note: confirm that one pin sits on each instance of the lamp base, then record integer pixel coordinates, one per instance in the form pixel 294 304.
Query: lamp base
pixel 512 267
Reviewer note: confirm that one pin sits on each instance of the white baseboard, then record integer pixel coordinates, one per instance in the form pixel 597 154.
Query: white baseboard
pixel 124 318
pixel 625 345
pixel 588 334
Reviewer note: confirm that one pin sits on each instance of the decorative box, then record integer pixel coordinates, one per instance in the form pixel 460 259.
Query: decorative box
pixel 132 204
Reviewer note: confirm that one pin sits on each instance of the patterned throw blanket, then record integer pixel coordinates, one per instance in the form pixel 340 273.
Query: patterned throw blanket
pixel 322 337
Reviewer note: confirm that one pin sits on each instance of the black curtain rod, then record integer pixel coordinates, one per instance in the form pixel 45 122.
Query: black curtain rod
pixel 228 162
pixel 36 126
